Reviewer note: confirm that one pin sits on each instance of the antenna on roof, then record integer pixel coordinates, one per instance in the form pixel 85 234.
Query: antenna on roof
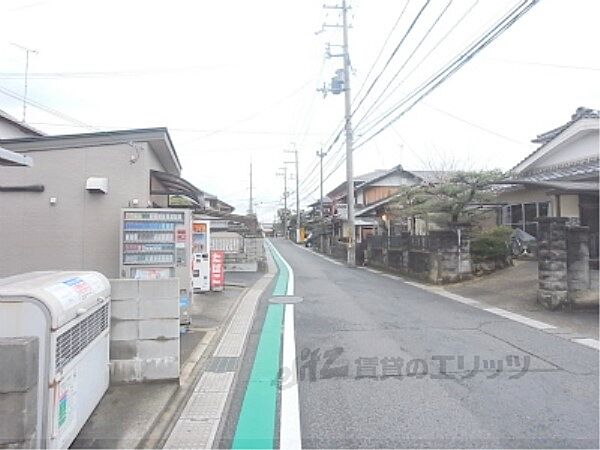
pixel 27 52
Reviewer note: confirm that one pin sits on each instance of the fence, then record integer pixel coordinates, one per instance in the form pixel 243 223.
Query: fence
pixel 438 257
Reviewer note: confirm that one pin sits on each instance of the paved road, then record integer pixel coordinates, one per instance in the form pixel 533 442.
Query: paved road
pixel 357 316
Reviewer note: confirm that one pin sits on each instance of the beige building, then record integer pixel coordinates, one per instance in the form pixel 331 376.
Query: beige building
pixel 558 179
pixel 63 212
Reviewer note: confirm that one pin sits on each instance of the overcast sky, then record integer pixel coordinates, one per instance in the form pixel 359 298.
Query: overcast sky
pixel 236 81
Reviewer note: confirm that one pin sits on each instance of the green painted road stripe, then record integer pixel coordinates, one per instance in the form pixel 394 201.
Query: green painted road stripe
pixel 256 423
pixel 282 274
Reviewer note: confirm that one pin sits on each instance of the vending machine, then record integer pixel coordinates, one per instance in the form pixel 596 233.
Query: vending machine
pixel 157 244
pixel 200 255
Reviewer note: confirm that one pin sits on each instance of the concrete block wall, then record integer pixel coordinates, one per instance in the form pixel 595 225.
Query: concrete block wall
pixel 144 337
pixel 18 391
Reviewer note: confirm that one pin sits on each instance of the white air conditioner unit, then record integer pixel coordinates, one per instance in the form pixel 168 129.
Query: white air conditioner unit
pixel 69 313
pixel 97 184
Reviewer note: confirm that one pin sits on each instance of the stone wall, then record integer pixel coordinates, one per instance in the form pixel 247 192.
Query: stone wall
pixel 578 261
pixel 440 257
pixel 144 336
pixel 552 262
pixel 563 262
pixel 18 392
pixel 452 254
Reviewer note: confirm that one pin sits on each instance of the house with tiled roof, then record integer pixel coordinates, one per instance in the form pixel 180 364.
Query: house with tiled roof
pixel 372 192
pixel 559 178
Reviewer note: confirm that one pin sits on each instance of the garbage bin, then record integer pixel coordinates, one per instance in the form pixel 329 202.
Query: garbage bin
pixel 69 312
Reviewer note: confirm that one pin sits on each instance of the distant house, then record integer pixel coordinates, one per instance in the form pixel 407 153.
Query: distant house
pixel 560 178
pixel 372 191
pixel 215 204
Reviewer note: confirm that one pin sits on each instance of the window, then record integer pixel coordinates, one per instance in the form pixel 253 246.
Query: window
pixel 530 212
pixel 524 215
pixel 516 213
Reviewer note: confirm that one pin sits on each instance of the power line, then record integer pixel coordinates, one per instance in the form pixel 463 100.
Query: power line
pixel 427 87
pixel 386 65
pixel 455 25
pixel 254 114
pixel 433 48
pixel 185 130
pixel 508 20
pixel 542 64
pixel 406 61
pixel 389 35
pixel 64 116
pixel 339 128
pixel 107 74
pixel 47 109
pixel 391 57
pixel 474 125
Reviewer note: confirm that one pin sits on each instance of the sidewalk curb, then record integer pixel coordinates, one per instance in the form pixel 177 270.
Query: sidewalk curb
pixel 271 275
pixel 194 424
pixel 191 372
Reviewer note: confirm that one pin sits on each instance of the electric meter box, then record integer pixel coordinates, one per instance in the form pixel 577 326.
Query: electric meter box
pixel 69 313
pixel 201 255
pixel 156 244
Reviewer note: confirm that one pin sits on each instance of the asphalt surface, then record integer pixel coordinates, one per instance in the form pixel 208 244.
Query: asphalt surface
pixel 467 378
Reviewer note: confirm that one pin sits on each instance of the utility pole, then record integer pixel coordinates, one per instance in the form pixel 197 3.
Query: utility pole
pixel 250 210
pixel 284 175
pixel 27 52
pixel 321 154
pixel 349 140
pixel 335 88
pixel 298 218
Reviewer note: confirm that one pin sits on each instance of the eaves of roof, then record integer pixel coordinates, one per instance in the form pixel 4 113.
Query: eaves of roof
pixel 158 138
pixel 21 125
pixel 546 139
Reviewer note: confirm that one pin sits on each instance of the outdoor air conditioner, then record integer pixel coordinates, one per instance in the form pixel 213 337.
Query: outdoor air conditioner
pixel 97 184
pixel 69 313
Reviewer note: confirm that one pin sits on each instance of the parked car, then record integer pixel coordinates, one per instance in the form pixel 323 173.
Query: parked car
pixel 310 240
pixel 522 243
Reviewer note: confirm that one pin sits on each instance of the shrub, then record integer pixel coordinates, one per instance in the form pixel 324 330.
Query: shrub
pixel 491 245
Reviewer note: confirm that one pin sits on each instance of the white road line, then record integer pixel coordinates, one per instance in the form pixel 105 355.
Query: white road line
pixel 456 297
pixel 588 342
pixel 593 343
pixel 290 284
pixel 519 318
pixel 289 419
pixel 390 276
pixel 320 255
pixel 289 422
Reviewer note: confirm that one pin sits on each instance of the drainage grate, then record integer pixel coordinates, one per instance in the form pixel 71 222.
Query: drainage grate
pixel 76 339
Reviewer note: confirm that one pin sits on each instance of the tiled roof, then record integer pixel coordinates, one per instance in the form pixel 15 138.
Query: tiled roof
pixel 545 138
pixel 572 171
pixel 580 113
pixel 360 180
